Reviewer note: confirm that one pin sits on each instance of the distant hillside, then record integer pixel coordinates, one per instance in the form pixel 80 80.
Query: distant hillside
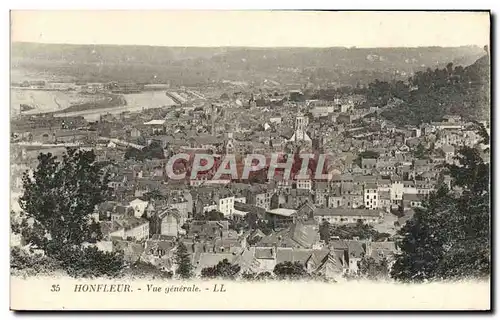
pixel 346 66
pixel 434 93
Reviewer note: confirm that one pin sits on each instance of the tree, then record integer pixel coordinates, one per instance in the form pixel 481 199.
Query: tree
pixel 132 153
pixel 420 151
pixel 435 93
pixel 249 276
pixel 60 196
pixel 184 267
pixel 251 219
pixel 153 195
pixel 142 269
pixel 58 201
pixel 223 269
pixel 468 251
pixel 90 262
pixel 359 230
pixel 449 238
pixel 290 270
pixel 263 276
pixel 324 231
pixel 153 151
pixel 369 154
pixel 252 276
pixel 214 215
pixel 371 269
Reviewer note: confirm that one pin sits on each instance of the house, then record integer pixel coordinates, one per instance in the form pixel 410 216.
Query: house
pixel 412 200
pixel 230 242
pixel 266 258
pixel 117 181
pixel 143 186
pixel 409 187
pixel 180 203
pixel 424 187
pixel 259 195
pixel 208 229
pixel 125 227
pixel 371 196
pixel 132 250
pixel 247 261
pixel 208 259
pixel 156 127
pixel 349 254
pixel 135 133
pixel 352 195
pixel 319 262
pixel 276 120
pixel 368 164
pixel 281 217
pixel 346 216
pixel 449 153
pixel 135 228
pixel 160 253
pixel 112 229
pixel 305 212
pixel 452 119
pixel 321 192
pixel 384 201
pixel 298 235
pixel 298 197
pixel 225 203
pixel 166 223
pixel 335 201
pixel 381 250
pixel 245 207
pixel 397 191
pixel 305 184
pixel 139 207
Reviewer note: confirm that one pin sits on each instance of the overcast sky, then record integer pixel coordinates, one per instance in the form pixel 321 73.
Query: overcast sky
pixel 252 28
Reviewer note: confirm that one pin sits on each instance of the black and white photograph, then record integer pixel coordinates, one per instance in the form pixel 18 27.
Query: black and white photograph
pixel 249 160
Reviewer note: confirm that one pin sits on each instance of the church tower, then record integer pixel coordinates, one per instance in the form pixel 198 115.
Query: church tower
pixel 301 123
pixel 229 145
pixel 300 134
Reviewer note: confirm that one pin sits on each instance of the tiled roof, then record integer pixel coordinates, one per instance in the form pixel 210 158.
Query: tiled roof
pixel 212 259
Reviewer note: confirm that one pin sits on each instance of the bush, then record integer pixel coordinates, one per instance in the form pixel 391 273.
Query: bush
pixel 290 270
pixel 32 263
pixel 90 262
pixel 223 269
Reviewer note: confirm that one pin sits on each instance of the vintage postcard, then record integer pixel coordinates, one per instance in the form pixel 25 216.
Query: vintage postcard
pixel 250 160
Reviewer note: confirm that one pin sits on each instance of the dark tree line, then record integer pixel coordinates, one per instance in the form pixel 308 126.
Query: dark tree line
pixel 429 95
pixel 449 238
